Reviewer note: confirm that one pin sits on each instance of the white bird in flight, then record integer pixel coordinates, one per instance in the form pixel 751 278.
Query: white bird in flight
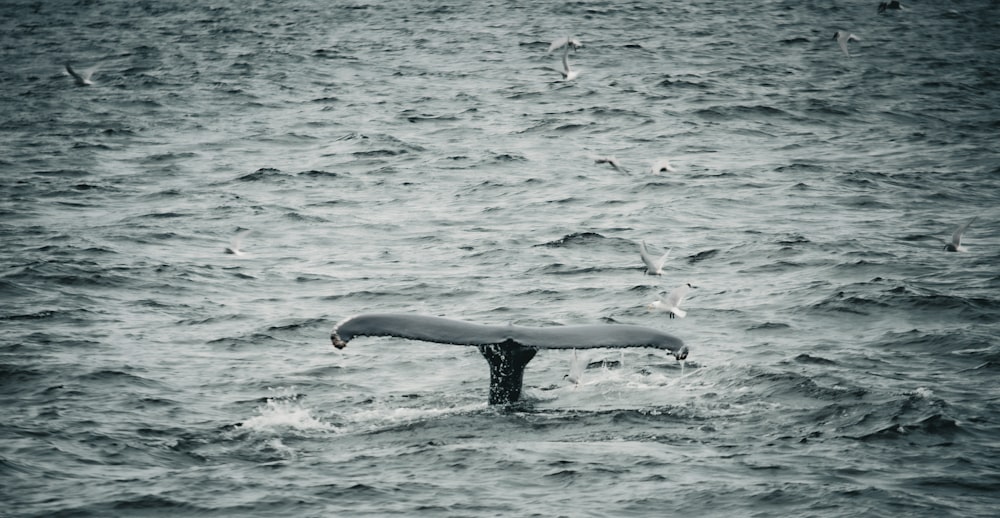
pixel 672 302
pixel 576 367
pixel 653 266
pixel 661 165
pixel 84 78
pixel 558 43
pixel 610 160
pixel 842 38
pixel 956 238
pixel 568 42
pixel 234 245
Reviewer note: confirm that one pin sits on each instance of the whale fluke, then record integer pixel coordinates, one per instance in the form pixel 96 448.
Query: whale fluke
pixel 507 348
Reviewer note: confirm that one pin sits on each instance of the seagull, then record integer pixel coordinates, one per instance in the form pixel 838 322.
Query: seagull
pixel 576 367
pixel 653 266
pixel 610 160
pixel 568 73
pixel 672 303
pixel 894 4
pixel 234 245
pixel 661 165
pixel 842 38
pixel 558 43
pixel 84 78
pixel 568 42
pixel 956 238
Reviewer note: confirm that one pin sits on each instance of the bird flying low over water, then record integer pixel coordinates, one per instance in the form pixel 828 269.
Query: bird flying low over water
pixel 610 160
pixel 672 302
pixel 576 367
pixel 654 266
pixel 842 38
pixel 956 238
pixel 82 79
pixel 234 245
pixel 661 165
pixel 566 43
pixel 567 72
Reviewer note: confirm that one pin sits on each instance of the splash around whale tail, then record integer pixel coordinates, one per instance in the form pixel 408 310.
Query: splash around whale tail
pixel 507 348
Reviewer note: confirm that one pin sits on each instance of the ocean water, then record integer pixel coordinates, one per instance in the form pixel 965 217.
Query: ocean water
pixel 426 157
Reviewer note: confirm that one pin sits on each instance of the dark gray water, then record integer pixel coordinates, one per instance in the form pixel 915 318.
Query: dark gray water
pixel 426 157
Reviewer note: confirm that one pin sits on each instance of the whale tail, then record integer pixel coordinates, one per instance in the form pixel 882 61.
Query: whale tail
pixel 508 348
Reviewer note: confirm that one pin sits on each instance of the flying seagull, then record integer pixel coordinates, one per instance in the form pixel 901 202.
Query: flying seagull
pixel 842 38
pixel 234 245
pixel 610 160
pixel 84 78
pixel 956 238
pixel 661 165
pixel 568 42
pixel 672 303
pixel 654 266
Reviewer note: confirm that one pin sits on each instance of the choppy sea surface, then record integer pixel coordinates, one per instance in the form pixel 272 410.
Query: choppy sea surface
pixel 427 157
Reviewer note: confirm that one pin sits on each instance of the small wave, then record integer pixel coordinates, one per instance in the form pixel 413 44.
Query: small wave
pixel 794 41
pixel 295 216
pixel 563 269
pixel 81 274
pixel 680 83
pixel 985 366
pixel 164 215
pixel 604 112
pixel 798 167
pixel 39 315
pixel 574 239
pixel 571 127
pixel 740 112
pixel 15 378
pixel 701 256
pixel 380 143
pixel 298 324
pixel 774 267
pixel 935 428
pixel 856 304
pixel 379 153
pixel 360 295
pixel 67 173
pixel 766 384
pixel 813 360
pixel 825 109
pixel 240 342
pixel 167 157
pixel 263 174
pixel 768 326
pixel 958 343
pixel 426 117
pixel 319 174
pixel 506 157
pixel 793 239
pixel 89 145
pixel 117 378
pixel 140 505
